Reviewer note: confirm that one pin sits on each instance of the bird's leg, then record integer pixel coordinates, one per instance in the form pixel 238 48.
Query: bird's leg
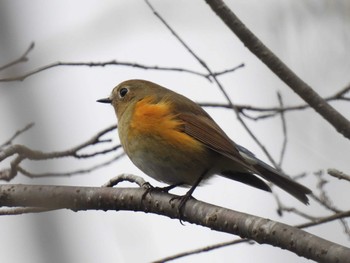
pixel 166 189
pixel 183 199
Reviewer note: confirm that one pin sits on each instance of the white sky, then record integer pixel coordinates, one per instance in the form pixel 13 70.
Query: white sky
pixel 311 37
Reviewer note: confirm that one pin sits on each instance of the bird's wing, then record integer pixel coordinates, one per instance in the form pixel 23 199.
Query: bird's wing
pixel 205 130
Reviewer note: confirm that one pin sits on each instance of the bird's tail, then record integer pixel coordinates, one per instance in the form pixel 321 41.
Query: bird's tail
pixel 295 189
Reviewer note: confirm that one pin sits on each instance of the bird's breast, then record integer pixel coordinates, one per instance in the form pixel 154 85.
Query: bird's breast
pixel 154 140
pixel 158 120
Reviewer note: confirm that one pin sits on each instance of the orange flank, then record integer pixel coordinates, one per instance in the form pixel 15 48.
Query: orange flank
pixel 157 119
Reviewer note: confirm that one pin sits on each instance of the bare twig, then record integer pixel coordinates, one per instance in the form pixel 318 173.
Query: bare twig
pixel 322 220
pixel 314 220
pixel 341 93
pixel 323 194
pixel 17 133
pixel 216 74
pixel 282 208
pixel 204 249
pixel 108 150
pixel 338 96
pixel 21 59
pixel 24 152
pixel 284 129
pixel 338 174
pixel 299 176
pixel 38 155
pixel 179 38
pixel 275 111
pixel 337 120
pixel 107 63
pixel 326 202
pixel 334 209
pixel 67 174
pixel 117 63
pixel 125 177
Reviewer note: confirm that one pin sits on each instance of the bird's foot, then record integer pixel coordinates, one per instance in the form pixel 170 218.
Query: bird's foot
pixel 182 202
pixel 150 188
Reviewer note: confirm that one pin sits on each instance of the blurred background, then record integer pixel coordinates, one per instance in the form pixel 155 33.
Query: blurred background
pixel 311 37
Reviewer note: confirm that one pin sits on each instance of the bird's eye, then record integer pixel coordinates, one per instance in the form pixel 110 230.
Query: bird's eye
pixel 123 92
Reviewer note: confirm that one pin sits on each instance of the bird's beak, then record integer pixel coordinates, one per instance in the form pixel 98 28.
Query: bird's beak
pixel 106 100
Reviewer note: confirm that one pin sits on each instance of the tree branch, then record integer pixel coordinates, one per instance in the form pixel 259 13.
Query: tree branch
pixel 22 153
pixel 98 64
pixel 261 230
pixel 338 121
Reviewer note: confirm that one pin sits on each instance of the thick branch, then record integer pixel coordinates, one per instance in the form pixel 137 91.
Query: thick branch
pixel 338 121
pixel 196 212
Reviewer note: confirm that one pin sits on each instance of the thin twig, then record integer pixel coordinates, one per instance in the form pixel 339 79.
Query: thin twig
pixel 321 187
pixel 284 130
pixel 17 133
pixel 99 64
pixel 338 96
pixel 21 59
pixel 117 63
pixel 338 174
pixel 293 210
pixel 89 155
pixel 24 152
pixel 204 249
pixel 68 174
pixel 216 74
pixel 319 221
pixel 326 202
pixel 342 92
pixel 125 177
pixel 179 38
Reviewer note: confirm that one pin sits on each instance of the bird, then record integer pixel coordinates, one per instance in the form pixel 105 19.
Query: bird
pixel 175 141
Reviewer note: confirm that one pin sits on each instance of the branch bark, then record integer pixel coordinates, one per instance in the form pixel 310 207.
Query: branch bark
pixel 338 121
pixel 217 218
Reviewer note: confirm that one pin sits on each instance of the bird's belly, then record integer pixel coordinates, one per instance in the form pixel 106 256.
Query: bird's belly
pixel 168 163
